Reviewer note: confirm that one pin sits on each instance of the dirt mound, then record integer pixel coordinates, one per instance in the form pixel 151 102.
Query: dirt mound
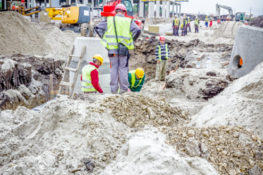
pixel 147 153
pixel 232 150
pixel 20 36
pixel 258 22
pixel 240 105
pixel 136 110
pixel 58 139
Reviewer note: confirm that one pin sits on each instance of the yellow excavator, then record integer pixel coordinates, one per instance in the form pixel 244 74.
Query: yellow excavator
pixel 76 18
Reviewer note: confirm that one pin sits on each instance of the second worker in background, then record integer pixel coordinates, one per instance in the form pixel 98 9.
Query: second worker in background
pixel 162 55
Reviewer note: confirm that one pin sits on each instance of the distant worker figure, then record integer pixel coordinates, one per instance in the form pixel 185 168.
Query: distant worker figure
pixel 196 24
pixel 176 24
pixel 211 22
pixel 206 21
pixel 189 24
pixel 136 79
pixel 118 34
pixel 162 55
pixel 90 76
pixel 185 26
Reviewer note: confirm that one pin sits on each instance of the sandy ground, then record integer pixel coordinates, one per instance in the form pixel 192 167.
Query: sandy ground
pixel 162 130
pixel 20 36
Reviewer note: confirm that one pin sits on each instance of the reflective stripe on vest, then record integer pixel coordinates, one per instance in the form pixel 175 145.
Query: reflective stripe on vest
pixel 123 30
pixel 176 22
pixel 160 52
pixel 133 77
pixel 86 85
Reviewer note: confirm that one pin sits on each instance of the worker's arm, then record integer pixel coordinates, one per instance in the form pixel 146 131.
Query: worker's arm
pixel 101 28
pixel 95 80
pixel 129 79
pixel 135 30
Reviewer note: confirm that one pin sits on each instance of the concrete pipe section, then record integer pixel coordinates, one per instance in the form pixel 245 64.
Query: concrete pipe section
pixel 247 51
pixel 93 46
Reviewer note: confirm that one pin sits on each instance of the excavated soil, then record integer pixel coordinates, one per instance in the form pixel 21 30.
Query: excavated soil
pixel 137 110
pixel 232 150
pixel 24 80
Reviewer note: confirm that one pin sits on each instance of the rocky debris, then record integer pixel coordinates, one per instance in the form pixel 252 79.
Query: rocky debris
pixel 213 87
pixel 58 139
pixel 197 83
pixel 24 80
pixel 137 110
pixel 223 146
pixel 12 74
pixel 257 22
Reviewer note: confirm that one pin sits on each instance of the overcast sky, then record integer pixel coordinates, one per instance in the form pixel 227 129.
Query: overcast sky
pixel 209 6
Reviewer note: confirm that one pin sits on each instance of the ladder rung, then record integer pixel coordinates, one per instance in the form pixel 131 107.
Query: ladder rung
pixel 63 83
pixel 74 56
pixel 71 69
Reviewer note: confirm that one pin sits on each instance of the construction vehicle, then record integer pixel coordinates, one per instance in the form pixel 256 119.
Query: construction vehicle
pixel 72 18
pixel 28 12
pixel 229 9
pixel 240 16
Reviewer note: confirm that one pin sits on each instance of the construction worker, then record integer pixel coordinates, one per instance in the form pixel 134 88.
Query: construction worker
pixel 162 55
pixel 118 34
pixel 185 26
pixel 176 24
pixel 196 24
pixel 211 22
pixel 206 21
pixel 189 24
pixel 136 79
pixel 90 76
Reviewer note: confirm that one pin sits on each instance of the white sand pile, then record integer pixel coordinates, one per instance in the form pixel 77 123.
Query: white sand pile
pixel 18 35
pixel 240 104
pixel 146 153
pixel 58 139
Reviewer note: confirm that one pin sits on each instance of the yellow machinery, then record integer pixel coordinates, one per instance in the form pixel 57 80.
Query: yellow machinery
pixel 55 13
pixel 70 15
pixel 74 18
pixel 28 12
